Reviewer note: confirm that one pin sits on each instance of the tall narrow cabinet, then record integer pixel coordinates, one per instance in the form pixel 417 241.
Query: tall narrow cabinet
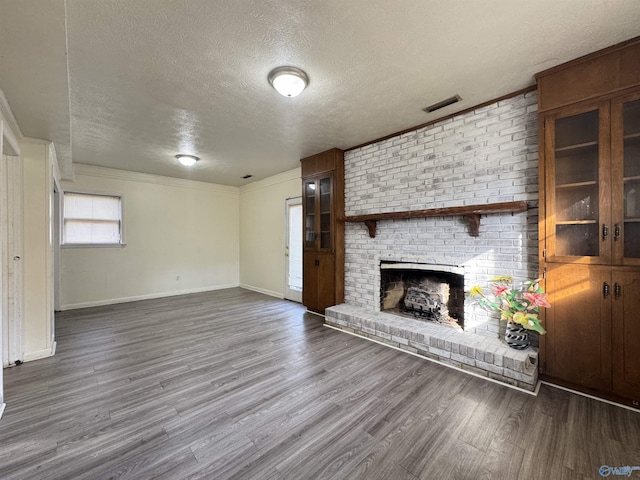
pixel 323 252
pixel 589 114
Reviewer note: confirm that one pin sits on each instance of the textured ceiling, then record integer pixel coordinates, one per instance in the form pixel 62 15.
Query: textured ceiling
pixel 148 79
pixel 33 71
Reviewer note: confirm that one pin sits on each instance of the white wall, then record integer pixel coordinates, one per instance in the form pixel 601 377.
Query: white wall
pixel 173 228
pixel 262 231
pixel 3 309
pixel 39 173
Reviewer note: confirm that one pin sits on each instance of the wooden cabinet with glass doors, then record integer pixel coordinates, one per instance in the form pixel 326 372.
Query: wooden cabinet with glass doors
pixel 590 223
pixel 625 127
pixel 593 183
pixel 318 213
pixel 323 205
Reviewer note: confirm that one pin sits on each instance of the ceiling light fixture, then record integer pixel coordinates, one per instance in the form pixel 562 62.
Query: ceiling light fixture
pixel 288 81
pixel 187 160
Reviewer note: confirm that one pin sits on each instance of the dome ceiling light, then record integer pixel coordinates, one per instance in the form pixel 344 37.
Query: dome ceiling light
pixel 288 81
pixel 187 160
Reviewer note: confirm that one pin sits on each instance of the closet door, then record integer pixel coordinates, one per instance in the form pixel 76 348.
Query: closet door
pixel 12 263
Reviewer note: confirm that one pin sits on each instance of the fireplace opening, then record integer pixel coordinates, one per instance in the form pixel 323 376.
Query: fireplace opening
pixel 427 292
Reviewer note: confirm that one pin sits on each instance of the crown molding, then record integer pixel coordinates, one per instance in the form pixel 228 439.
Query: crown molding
pixel 128 176
pixel 11 130
pixel 283 177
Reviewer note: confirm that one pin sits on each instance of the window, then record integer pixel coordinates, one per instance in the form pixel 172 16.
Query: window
pixel 92 219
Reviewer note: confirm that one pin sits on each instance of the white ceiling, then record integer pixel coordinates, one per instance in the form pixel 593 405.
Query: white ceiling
pixel 147 79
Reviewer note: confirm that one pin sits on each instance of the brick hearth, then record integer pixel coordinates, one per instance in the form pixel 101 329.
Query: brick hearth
pixel 482 355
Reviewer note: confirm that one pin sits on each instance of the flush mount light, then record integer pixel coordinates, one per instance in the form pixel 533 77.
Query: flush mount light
pixel 288 81
pixel 187 160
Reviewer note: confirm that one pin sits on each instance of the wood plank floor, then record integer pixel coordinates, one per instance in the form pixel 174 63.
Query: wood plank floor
pixel 235 384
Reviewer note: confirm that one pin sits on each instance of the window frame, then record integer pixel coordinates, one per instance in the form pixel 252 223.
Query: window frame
pixel 96 193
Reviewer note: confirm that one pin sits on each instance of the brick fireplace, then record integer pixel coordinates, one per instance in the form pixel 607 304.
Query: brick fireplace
pixel 433 293
pixel 484 156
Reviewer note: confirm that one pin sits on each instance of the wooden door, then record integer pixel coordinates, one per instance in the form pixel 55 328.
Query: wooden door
pixel 626 334
pixel 578 209
pixel 578 341
pixel 625 185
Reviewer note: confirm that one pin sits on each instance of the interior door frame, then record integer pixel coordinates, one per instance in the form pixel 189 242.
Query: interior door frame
pixel 9 145
pixel 293 295
pixel 57 229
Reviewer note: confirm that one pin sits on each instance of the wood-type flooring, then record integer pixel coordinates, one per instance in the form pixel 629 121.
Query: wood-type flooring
pixel 233 384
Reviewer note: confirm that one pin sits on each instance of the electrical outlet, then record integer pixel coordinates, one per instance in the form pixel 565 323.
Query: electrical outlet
pixel 177 277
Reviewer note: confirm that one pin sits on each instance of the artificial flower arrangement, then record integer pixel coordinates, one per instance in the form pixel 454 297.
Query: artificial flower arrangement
pixel 520 305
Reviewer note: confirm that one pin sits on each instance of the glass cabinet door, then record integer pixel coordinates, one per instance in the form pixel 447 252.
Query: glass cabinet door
pixel 325 213
pixel 310 189
pixel 318 213
pixel 626 157
pixel 576 223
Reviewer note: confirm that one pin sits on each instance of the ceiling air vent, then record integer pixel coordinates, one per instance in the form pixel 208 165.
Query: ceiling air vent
pixel 444 103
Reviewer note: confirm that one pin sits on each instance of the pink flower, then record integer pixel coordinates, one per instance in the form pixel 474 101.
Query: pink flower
pixel 537 299
pixel 499 290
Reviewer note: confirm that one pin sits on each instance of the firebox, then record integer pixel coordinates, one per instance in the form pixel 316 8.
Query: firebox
pixel 424 291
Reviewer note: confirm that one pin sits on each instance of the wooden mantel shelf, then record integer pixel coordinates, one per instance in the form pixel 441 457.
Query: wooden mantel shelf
pixel 471 212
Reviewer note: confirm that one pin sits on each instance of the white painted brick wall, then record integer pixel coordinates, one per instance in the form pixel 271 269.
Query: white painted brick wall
pixel 485 156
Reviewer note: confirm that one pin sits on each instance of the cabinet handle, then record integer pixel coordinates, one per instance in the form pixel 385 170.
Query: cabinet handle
pixel 616 231
pixel 617 291
pixel 605 289
pixel 605 231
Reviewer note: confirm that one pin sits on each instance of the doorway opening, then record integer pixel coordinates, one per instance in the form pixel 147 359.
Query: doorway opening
pixel 293 250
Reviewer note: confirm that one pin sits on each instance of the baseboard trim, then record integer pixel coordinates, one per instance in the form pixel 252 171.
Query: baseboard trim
pixel 151 296
pixel 593 397
pixel 534 393
pixel 271 293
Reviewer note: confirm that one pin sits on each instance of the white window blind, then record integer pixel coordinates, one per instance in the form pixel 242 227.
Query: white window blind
pixel 92 219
